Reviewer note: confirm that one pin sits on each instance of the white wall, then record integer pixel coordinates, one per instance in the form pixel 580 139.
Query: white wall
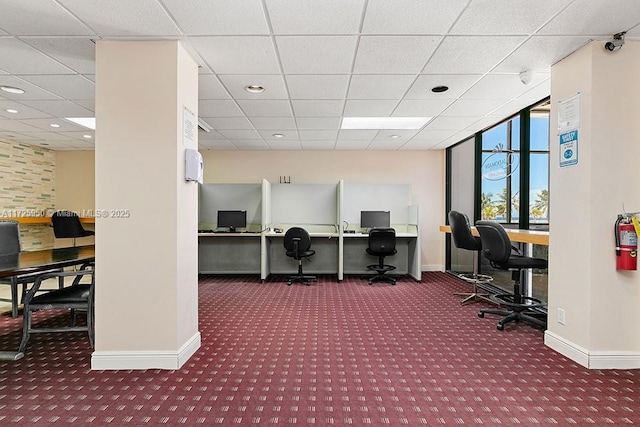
pixel 424 170
pixel 602 305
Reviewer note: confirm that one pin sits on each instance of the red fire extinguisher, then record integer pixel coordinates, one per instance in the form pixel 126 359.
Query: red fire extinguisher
pixel 626 244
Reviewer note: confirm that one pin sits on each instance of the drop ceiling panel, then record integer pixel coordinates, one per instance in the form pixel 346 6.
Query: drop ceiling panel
pixel 357 135
pixel 32 18
pixel 316 54
pixel 45 124
pixel 509 84
pixel 433 135
pixel 351 144
pixel 595 17
pixel 76 53
pixel 269 135
pixel 61 108
pixel 318 108
pixel 203 17
pixel 65 86
pixel 218 108
pixel 222 123
pixel 394 54
pixel 502 17
pixel 317 86
pixel 472 107
pixel 123 17
pixel 411 16
pixel 471 55
pixel 421 107
pixel 539 51
pixel 24 112
pixel 17 57
pixel 314 17
pixel 457 84
pixel 399 135
pixel 16 126
pixel 318 135
pixel 376 86
pixel 318 123
pixel 273 123
pixel 240 135
pixel 251 144
pixel 266 108
pixel 237 55
pixel 369 108
pixel 284 145
pixel 273 84
pixel 450 123
pixel 209 87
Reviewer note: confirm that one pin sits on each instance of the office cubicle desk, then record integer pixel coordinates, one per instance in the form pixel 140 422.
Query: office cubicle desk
pixel 229 253
pixel 406 260
pixel 325 261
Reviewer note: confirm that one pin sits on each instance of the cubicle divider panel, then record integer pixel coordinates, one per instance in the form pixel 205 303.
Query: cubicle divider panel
pixel 214 197
pixel 376 197
pixel 229 254
pixel 304 204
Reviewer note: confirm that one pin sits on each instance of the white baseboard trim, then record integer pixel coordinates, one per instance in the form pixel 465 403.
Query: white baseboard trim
pixel 432 267
pixel 126 360
pixel 592 359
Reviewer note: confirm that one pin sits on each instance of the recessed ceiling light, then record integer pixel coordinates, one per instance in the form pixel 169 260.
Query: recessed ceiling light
pixel 12 89
pixel 412 123
pixel 394 136
pixel 278 135
pixel 54 125
pixel 12 111
pixel 87 136
pixel 439 89
pixel 88 122
pixel 254 89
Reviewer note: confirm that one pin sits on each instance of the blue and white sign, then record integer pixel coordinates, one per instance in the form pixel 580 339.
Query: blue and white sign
pixel 569 148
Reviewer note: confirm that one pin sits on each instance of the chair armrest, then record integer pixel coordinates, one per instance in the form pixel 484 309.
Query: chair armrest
pixel 79 274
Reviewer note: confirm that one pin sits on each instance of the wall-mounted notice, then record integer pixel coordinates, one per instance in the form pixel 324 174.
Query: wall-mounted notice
pixel 568 148
pixel 189 129
pixel 569 113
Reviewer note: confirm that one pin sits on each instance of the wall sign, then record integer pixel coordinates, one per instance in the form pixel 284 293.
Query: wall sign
pixel 568 148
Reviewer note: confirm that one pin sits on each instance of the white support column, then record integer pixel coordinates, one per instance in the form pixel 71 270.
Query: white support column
pixel 146 225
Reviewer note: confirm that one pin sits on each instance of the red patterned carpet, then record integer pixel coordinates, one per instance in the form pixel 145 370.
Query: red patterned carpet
pixel 327 354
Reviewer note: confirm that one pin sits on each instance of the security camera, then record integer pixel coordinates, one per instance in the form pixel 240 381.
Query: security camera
pixel 616 43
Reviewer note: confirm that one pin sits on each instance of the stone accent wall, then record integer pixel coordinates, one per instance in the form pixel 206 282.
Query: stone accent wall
pixel 27 189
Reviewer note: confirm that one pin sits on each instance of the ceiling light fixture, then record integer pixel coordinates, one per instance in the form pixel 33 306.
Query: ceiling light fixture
pixel 88 122
pixel 12 89
pixel 410 123
pixel 394 136
pixel 254 89
pixel 278 135
pixel 87 136
pixel 439 89
pixel 12 111
pixel 54 125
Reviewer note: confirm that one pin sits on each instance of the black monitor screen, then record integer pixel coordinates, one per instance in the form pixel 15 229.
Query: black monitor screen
pixel 374 219
pixel 232 219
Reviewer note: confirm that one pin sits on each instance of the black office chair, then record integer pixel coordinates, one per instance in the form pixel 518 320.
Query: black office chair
pixel 497 249
pixel 382 243
pixel 78 296
pixel 464 239
pixel 297 243
pixel 9 253
pixel 67 225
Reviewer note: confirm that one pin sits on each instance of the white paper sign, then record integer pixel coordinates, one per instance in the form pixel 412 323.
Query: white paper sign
pixel 569 113
pixel 189 129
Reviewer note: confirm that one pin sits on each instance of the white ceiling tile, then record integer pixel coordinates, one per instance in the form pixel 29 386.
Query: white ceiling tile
pixel 31 92
pixel 221 123
pixel 256 144
pixel 216 145
pixel 369 108
pixel 433 135
pixel 273 84
pixel 318 145
pixel 209 87
pixel 396 136
pixel 318 123
pixel 318 135
pixel 212 135
pixel 123 17
pixel 317 108
pixel 502 86
pixel 77 145
pixel 218 108
pixel 206 17
pixel 32 18
pixel 80 135
pixel 595 17
pixel 273 123
pixel 266 108
pixel 357 135
pixel 421 107
pixel 64 125
pixel 387 144
pixel 234 135
pixel 376 86
pixel 65 86
pixel 472 107
pixel 17 126
pixel 89 104
pixel 540 52
pixel 411 16
pixel 237 55
pixel 24 112
pixel 287 135
pixel 284 145
pixel 316 54
pixel 471 55
pixel 394 54
pixel 17 57
pixel 457 84
pixel 309 86
pixel 61 108
pixel 450 123
pixel 26 138
pixel 314 17
pixel 484 123
pixel 503 17
pixel 351 144
pixel 76 53
pixel 420 144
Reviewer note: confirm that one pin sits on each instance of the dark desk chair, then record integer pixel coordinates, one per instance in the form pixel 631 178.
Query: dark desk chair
pixel 78 296
pixel 382 243
pixel 67 225
pixel 10 247
pixel 497 249
pixel 463 239
pixel 297 243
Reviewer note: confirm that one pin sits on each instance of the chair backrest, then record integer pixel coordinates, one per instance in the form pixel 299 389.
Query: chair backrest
pixel 298 233
pixel 382 241
pixel 9 237
pixel 496 245
pixel 461 232
pixel 66 224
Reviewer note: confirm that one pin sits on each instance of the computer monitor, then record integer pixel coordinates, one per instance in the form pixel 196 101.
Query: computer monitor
pixel 374 219
pixel 232 219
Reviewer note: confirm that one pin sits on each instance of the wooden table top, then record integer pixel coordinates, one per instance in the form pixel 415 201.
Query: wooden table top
pixel 522 236
pixel 45 259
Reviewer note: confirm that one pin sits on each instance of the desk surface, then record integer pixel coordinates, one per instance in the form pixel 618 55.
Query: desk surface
pixel 42 219
pixel 521 236
pixel 45 259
